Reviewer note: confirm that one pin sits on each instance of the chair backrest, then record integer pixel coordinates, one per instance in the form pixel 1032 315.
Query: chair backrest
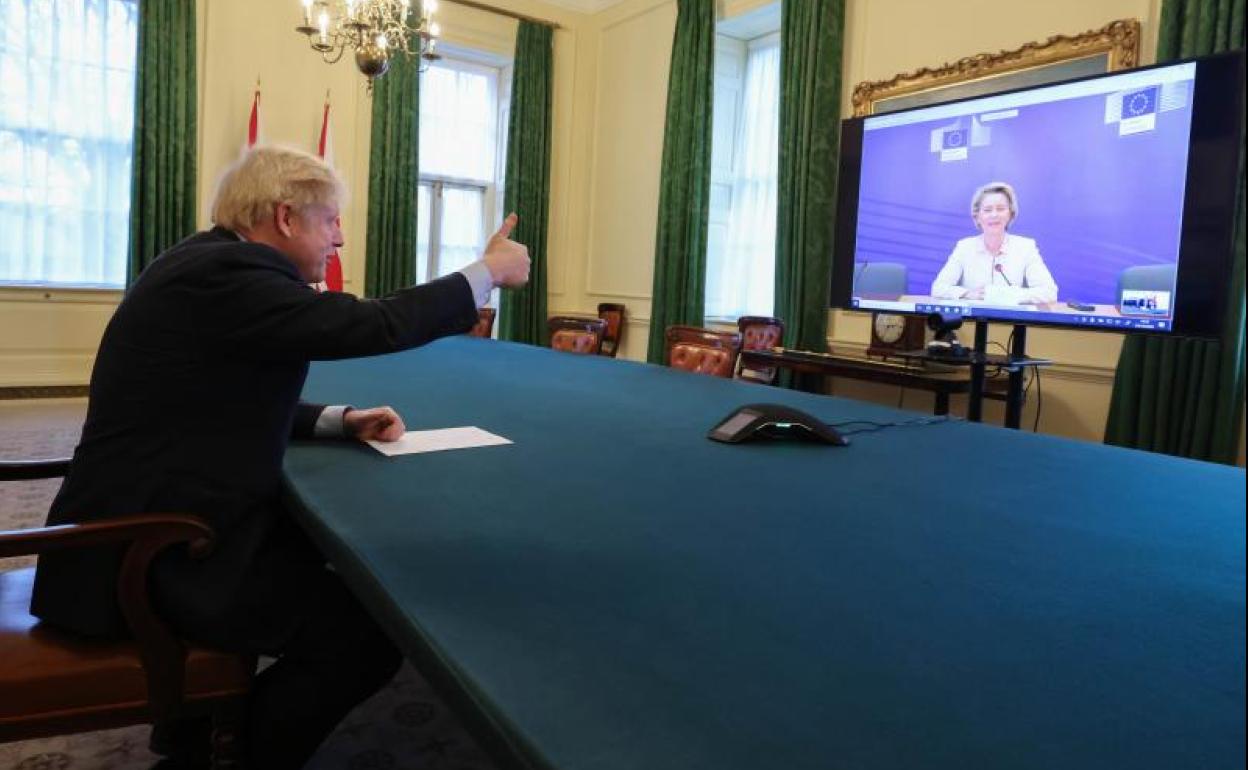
pixel 759 333
pixel 703 351
pixel 613 314
pixel 485 323
pixel 53 682
pixel 576 335
pixel 1146 278
pixel 880 278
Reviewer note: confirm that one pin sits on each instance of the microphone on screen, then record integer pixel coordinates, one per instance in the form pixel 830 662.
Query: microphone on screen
pixel 1001 270
pixel 862 268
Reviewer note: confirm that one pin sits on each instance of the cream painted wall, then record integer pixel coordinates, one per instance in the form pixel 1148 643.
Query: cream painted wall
pixel 49 337
pixel 632 60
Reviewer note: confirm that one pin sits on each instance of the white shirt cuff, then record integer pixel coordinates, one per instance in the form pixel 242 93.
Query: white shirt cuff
pixel 481 281
pixel 330 423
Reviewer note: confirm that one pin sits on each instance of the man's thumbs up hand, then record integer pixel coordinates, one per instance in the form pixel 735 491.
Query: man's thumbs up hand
pixel 507 260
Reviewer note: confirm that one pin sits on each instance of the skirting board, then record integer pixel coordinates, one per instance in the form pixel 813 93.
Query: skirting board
pixel 43 391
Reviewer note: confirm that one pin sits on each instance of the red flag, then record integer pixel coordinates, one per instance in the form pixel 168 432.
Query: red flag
pixel 325 149
pixel 323 146
pixel 253 122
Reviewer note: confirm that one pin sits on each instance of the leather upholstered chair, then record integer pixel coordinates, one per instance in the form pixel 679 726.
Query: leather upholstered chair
pixel 53 682
pixel 484 327
pixel 613 314
pixel 703 351
pixel 576 335
pixel 759 333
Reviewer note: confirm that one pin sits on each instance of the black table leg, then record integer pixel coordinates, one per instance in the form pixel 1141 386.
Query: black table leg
pixel 975 401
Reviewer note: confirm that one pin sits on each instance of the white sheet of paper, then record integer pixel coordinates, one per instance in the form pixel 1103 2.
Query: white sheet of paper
pixel 438 440
pixel 1004 295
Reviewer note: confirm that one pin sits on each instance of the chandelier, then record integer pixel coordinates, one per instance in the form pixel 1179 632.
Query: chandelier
pixel 374 29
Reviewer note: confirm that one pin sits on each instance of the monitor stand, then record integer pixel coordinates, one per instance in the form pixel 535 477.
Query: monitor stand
pixel 1014 364
pixel 979 359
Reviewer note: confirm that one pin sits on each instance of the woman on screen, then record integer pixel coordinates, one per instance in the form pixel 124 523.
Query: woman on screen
pixel 995 265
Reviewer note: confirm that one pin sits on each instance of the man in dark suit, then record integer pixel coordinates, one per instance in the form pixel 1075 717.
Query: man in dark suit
pixel 194 396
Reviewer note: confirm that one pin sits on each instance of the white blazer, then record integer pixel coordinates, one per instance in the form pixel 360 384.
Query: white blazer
pixel 1019 265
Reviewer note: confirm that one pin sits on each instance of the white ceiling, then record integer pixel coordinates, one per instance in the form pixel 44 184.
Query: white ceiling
pixel 585 6
pixel 747 26
pixel 756 23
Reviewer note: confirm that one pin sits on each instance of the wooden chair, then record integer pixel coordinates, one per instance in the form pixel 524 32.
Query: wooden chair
pixel 703 351
pixel 576 335
pixel 53 682
pixel 759 333
pixel 613 314
pixel 485 323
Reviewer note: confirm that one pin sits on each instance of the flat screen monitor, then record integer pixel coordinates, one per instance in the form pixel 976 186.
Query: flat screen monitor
pixel 1100 203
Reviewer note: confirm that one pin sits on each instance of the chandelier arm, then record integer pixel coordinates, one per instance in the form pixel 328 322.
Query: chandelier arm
pixel 337 55
pixel 374 31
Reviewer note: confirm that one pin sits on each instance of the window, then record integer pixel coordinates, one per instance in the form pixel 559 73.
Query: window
pixel 460 151
pixel 66 121
pixel 741 243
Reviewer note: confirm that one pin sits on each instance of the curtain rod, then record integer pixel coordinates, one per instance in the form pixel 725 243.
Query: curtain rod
pixel 503 12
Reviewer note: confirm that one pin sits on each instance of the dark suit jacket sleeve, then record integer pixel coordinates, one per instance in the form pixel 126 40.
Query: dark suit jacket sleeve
pixel 306 415
pixel 258 306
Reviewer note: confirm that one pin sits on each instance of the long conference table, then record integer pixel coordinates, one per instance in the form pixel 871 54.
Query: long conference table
pixel 614 591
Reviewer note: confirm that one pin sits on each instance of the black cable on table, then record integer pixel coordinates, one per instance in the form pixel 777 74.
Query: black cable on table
pixel 873 426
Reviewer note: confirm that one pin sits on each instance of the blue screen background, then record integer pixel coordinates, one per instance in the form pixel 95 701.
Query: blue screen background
pixel 1094 201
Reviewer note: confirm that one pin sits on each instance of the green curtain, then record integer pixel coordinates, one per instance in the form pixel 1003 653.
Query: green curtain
pixel 679 292
pixel 393 176
pixel 526 191
pixel 162 177
pixel 1185 396
pixel 811 41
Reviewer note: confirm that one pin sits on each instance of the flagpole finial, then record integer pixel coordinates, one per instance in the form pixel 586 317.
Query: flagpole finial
pixel 327 96
pixel 257 82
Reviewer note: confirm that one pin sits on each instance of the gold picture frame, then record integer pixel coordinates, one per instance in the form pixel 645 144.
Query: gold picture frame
pixel 1116 46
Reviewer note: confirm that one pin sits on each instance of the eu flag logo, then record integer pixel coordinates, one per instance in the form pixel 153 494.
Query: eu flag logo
pixel 1137 103
pixel 1137 111
pixel 954 139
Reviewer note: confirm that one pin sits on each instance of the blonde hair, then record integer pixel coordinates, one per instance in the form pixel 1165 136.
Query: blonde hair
pixel 995 187
pixel 263 177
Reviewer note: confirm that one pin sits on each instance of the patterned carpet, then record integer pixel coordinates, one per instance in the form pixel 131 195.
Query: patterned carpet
pixel 403 727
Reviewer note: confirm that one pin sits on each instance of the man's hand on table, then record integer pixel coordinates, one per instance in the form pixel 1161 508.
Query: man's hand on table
pixel 380 423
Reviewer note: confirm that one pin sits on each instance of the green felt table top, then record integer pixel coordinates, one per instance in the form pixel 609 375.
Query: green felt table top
pixel 614 591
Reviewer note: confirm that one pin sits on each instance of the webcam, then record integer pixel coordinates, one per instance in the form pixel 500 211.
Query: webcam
pixel 944 323
pixel 946 343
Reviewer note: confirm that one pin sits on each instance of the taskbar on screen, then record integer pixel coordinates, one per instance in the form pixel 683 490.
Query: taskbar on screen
pixel 1018 315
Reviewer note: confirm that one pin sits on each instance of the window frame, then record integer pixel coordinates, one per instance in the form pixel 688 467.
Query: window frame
pixel 469 60
pixel 436 185
pixel 745 46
